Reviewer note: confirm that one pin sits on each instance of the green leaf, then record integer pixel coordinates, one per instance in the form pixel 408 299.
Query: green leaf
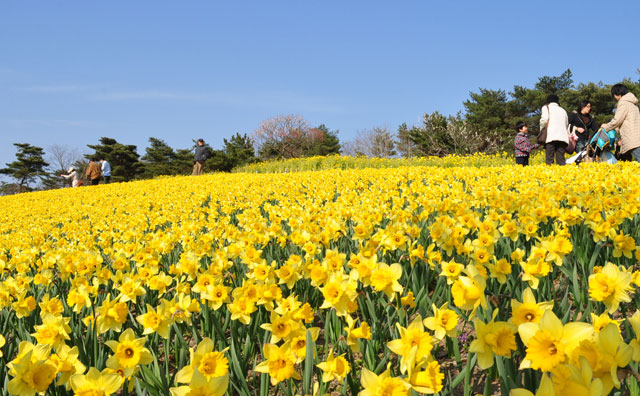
pixel 308 365
pixel 237 369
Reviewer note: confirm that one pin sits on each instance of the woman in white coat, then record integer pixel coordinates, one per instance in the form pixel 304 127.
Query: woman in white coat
pixel 74 176
pixel 556 120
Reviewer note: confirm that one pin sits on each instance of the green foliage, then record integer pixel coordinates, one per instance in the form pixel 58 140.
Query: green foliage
pixel 404 144
pixel 28 166
pixel 439 136
pixel 239 150
pixel 8 188
pixel 183 162
pixel 159 159
pixel 430 138
pixel 218 162
pixel 492 114
pixel 124 159
pixel 326 143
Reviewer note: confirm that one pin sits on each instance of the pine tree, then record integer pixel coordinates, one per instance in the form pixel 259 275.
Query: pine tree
pixel 159 159
pixel 30 164
pixel 239 150
pixel 326 143
pixel 405 146
pixel 124 159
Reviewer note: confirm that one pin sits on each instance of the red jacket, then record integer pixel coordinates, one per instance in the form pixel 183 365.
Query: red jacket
pixel 523 145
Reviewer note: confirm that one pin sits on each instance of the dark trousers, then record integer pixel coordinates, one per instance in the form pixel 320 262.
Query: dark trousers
pixel 94 182
pixel 631 155
pixel 524 161
pixel 107 179
pixel 557 149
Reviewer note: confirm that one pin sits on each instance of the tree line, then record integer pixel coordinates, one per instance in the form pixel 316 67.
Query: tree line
pixel 486 125
pixel 35 165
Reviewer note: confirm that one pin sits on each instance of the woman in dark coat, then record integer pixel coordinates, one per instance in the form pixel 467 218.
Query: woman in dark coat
pixel 581 122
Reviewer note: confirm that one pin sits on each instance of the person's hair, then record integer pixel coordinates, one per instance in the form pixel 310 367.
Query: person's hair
pixel 619 89
pixel 582 105
pixel 200 140
pixel 519 125
pixel 553 98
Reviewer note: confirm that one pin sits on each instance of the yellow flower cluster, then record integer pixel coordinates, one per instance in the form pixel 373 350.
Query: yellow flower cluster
pixel 347 162
pixel 247 283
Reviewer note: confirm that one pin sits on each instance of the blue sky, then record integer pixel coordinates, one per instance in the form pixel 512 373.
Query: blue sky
pixel 73 71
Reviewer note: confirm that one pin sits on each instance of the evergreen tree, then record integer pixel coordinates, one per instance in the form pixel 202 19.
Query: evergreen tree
pixel 124 159
pixel 29 165
pixel 218 162
pixel 405 146
pixel 239 150
pixel 431 138
pixel 326 143
pixel 489 111
pixel 159 159
pixel 183 162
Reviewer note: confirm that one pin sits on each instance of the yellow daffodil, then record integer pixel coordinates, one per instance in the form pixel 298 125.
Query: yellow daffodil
pixel 334 368
pixel 204 359
pixel 156 321
pixel 611 286
pixel 96 383
pixel 429 380
pixel 468 291
pixel 385 278
pixel 443 322
pixel 383 384
pixel 279 364
pixel 493 338
pixel 549 341
pixel 414 343
pixel 528 310
pixel 129 351
pixel 201 386
pixel 354 334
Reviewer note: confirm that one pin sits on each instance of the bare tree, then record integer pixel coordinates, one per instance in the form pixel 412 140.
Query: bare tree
pixel 375 142
pixel 285 136
pixel 62 157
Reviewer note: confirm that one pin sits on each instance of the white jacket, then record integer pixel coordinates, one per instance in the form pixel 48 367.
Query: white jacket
pixel 75 176
pixel 558 122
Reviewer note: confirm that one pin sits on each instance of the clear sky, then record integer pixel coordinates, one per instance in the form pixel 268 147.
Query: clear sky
pixel 73 71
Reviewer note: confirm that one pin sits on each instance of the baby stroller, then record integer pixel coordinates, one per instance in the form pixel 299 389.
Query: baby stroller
pixel 600 148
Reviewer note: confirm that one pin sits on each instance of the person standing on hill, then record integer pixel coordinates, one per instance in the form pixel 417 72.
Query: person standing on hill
pixel 106 170
pixel 201 155
pixel 73 175
pixel 627 122
pixel 556 120
pixel 93 173
pixel 581 122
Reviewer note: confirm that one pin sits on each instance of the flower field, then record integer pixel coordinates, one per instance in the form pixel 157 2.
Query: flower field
pixel 391 281
pixel 346 162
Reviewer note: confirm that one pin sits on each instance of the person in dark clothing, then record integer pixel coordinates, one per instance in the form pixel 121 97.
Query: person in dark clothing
pixel 523 146
pixel 201 155
pixel 581 122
